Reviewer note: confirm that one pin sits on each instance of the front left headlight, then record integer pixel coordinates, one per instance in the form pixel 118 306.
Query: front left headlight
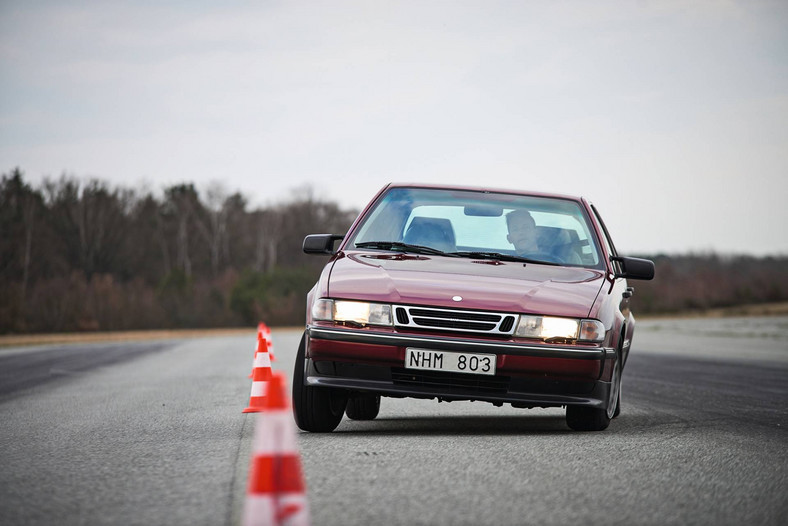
pixel 355 312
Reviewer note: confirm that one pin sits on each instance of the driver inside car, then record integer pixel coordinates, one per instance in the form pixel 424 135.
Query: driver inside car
pixel 524 236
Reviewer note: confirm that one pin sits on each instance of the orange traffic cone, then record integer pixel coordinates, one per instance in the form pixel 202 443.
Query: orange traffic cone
pixel 275 494
pixel 260 376
pixel 262 345
pixel 263 329
pixel 270 344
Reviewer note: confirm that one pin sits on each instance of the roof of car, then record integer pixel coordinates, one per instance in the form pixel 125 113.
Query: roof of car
pixel 483 189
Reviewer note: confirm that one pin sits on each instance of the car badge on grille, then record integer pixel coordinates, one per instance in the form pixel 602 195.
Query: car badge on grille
pixel 457 298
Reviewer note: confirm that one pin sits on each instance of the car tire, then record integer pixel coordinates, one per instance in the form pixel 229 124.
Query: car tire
pixel 316 409
pixel 363 407
pixel 620 357
pixel 583 418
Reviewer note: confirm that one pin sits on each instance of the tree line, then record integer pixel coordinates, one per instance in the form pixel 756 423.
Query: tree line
pixel 79 255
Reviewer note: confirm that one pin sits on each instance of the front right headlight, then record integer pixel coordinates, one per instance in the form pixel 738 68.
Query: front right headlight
pixel 550 327
pixel 546 327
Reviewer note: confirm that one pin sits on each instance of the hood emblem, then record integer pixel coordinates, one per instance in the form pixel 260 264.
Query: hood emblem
pixel 457 298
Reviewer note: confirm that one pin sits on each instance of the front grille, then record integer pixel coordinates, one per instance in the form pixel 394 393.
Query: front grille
pixel 455 320
pixel 466 382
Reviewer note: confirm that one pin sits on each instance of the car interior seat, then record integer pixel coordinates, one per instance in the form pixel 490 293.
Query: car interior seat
pixel 431 232
pixel 561 242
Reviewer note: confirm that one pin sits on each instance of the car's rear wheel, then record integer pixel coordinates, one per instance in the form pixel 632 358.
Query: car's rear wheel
pixel 582 418
pixel 316 409
pixel 363 407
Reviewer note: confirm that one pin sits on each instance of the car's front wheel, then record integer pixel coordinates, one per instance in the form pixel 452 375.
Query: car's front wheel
pixel 316 409
pixel 582 418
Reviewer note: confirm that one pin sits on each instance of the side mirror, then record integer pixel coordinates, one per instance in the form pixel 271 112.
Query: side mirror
pixel 322 244
pixel 635 268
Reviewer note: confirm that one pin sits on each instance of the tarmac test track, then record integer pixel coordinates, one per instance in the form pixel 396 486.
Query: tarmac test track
pixel 152 433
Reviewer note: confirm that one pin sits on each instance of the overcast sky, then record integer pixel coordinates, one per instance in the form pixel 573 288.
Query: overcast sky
pixel 671 116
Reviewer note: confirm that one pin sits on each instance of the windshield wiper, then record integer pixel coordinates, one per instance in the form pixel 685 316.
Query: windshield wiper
pixel 503 257
pixel 403 247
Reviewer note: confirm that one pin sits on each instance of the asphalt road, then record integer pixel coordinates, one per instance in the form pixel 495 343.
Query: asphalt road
pixel 152 433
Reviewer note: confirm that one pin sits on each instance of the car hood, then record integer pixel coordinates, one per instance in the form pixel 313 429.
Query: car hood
pixel 482 284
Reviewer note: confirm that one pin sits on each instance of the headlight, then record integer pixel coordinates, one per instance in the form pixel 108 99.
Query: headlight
pixel 546 327
pixel 357 312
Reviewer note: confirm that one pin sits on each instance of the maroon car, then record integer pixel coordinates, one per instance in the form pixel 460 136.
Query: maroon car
pixel 460 293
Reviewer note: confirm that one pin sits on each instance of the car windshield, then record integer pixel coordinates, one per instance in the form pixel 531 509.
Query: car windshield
pixel 464 223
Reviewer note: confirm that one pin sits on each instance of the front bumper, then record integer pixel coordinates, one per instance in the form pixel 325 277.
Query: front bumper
pixel 527 375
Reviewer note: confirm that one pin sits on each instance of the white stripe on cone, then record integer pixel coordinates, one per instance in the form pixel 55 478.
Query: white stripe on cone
pixel 270 343
pixel 287 509
pixel 262 360
pixel 261 373
pixel 261 345
pixel 258 389
pixel 279 438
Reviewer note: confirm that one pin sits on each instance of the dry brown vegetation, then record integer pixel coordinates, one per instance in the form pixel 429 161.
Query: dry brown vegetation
pixel 703 282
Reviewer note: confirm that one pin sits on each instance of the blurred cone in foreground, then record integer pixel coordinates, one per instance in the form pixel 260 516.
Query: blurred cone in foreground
pixel 261 374
pixel 275 495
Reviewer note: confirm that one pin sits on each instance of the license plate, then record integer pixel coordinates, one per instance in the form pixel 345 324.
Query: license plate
pixel 455 362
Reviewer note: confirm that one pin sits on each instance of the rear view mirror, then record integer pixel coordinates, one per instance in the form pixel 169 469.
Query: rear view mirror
pixel 635 268
pixel 483 210
pixel 321 243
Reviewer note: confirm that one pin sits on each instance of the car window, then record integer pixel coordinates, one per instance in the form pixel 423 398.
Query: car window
pixel 477 233
pixel 467 221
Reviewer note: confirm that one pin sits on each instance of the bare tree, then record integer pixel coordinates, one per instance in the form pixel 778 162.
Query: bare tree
pixel 180 203
pixel 269 234
pixel 216 231
pixel 29 210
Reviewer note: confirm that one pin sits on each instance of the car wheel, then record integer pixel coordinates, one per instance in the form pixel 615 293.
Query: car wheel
pixel 316 409
pixel 363 407
pixel 614 401
pixel 582 418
